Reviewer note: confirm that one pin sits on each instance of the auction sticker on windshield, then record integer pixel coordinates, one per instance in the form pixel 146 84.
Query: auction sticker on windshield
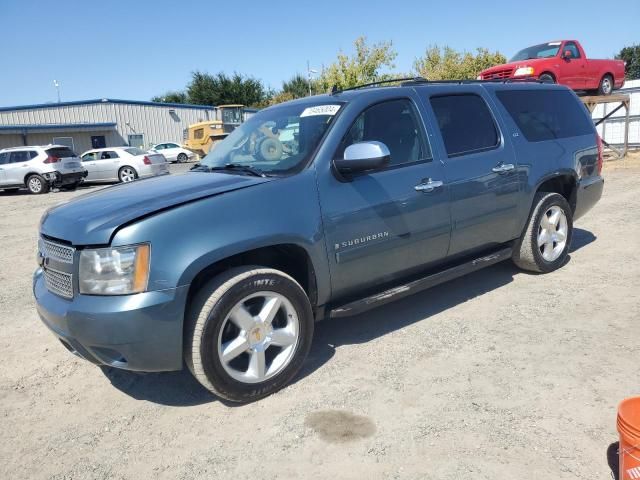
pixel 320 110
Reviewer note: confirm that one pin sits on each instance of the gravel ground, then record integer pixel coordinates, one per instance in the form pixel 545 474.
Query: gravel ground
pixel 501 374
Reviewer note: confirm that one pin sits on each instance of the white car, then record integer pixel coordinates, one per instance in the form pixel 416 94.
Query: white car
pixel 122 164
pixel 173 152
pixel 40 168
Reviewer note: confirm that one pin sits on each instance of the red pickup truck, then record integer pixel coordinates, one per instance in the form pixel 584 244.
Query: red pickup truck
pixel 563 62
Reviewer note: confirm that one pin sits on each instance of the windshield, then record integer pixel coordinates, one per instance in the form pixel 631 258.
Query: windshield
pixel 544 50
pixel 278 140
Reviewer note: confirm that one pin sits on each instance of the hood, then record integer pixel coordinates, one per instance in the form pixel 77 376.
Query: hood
pixel 92 219
pixel 513 65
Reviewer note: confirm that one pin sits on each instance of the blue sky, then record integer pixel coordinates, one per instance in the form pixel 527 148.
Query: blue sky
pixel 136 49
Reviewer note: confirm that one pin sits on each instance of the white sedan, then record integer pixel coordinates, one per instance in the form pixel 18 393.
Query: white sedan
pixel 122 164
pixel 173 152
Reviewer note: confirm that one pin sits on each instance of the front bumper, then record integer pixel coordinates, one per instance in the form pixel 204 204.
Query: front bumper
pixel 588 193
pixel 140 332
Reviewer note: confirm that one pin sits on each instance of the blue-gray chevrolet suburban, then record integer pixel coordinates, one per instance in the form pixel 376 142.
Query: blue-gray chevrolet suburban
pixel 320 207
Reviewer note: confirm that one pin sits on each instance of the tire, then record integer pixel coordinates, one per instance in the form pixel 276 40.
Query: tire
pixel 270 149
pixel 606 85
pixel 547 78
pixel 37 185
pixel 528 254
pixel 211 323
pixel 127 174
pixel 182 158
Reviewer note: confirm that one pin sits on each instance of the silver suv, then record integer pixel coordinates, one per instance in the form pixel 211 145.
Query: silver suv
pixel 40 168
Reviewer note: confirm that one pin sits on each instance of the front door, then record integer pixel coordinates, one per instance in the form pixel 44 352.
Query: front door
pixel 481 171
pixel 573 67
pixel 378 225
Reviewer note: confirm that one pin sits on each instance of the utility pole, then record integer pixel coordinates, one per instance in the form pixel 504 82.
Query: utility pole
pixel 309 72
pixel 57 85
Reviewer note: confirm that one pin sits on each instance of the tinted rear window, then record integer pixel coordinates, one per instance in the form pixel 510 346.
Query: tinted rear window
pixel 466 124
pixel 134 151
pixel 546 114
pixel 61 152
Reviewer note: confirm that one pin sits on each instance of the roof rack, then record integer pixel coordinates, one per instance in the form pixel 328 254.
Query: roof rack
pixel 408 81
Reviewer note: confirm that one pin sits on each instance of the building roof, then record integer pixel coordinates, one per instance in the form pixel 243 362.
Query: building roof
pixel 68 127
pixel 106 100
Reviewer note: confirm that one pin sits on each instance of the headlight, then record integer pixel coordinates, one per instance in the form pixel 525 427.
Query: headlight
pixel 114 271
pixel 523 71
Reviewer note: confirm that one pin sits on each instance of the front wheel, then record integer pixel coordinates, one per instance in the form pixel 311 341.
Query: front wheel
pixel 182 158
pixel 547 78
pixel 248 332
pixel 544 244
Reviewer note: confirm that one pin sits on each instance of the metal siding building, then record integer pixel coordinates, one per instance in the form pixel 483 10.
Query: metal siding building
pixel 87 124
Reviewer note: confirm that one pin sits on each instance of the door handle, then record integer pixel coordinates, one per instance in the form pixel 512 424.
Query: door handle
pixel 503 168
pixel 428 185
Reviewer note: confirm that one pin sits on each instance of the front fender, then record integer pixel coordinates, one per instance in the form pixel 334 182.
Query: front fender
pixel 189 238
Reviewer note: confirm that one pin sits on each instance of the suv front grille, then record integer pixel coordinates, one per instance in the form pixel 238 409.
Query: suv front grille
pixel 58 252
pixel 58 282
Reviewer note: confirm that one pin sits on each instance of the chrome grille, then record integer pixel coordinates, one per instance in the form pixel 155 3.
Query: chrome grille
pixel 498 74
pixel 59 283
pixel 56 251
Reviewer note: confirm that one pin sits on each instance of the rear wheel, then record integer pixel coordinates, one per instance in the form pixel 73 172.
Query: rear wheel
pixel 182 158
pixel 248 332
pixel 37 185
pixel 127 174
pixel 606 85
pixel 544 244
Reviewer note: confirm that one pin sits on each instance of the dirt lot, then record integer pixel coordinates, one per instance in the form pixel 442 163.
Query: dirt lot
pixel 498 375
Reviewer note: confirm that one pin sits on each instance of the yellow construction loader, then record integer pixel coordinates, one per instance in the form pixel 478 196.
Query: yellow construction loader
pixel 201 137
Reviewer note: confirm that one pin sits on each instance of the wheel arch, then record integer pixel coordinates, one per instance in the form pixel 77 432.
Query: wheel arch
pixel 564 182
pixel 26 177
pixel 290 258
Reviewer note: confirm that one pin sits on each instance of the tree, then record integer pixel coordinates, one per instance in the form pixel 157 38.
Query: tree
pixel 297 86
pixel 448 64
pixel 364 66
pixel 220 89
pixel 631 55
pixel 172 96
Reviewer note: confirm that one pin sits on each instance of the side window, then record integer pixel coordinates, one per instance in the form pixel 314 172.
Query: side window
pixel 172 145
pixel 107 155
pixel 90 157
pixel 465 123
pixel 19 157
pixel 4 158
pixel 198 133
pixel 162 146
pixel 546 114
pixel 394 123
pixel 573 48
pixel 32 154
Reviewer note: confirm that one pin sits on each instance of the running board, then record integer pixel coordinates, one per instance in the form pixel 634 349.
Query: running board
pixel 392 294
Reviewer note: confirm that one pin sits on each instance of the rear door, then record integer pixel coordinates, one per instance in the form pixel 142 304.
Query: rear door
pixel 18 166
pixel 480 169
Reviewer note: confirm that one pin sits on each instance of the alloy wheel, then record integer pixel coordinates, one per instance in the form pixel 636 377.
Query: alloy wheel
pixel 258 338
pixel 552 233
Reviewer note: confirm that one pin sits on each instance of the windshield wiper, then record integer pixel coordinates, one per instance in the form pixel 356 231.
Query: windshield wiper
pixel 256 172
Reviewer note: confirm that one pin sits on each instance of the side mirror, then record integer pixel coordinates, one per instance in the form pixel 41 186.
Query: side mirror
pixel 567 54
pixel 362 157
